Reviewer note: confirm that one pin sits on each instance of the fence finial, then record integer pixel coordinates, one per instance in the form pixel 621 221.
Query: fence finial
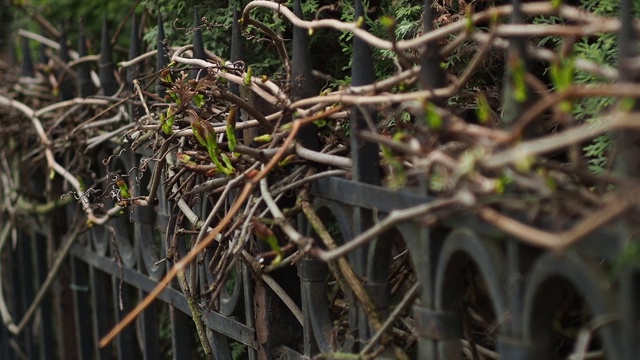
pixel 303 84
pixel 515 93
pixel 107 78
pixel 44 58
pixel 237 47
pixel 236 54
pixel 627 161
pixel 85 85
pixel 431 74
pixel 364 154
pixel 27 62
pixel 134 50
pixel 198 46
pixel 161 59
pixel 65 87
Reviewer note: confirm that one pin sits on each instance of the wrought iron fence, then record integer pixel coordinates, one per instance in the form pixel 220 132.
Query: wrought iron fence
pixel 471 288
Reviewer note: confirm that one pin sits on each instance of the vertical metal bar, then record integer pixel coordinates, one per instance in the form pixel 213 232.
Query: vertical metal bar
pixel 431 74
pixel 303 84
pixel 65 86
pixel 219 345
pixel 198 46
pixel 100 295
pixel 275 325
pixel 425 241
pixel 24 287
pixel 46 342
pixel 628 163
pixel 237 54
pixel 161 59
pixel 44 58
pixel 5 348
pixel 516 61
pixel 364 154
pixel 107 78
pixel 365 160
pixel 627 160
pixel 149 330
pixel 180 331
pixel 6 18
pixel 27 62
pixel 81 300
pixel 134 71
pixel 426 245
pixel 134 50
pixel 249 311
pixel 520 259
pixel 85 85
pixel 123 300
pixel 629 313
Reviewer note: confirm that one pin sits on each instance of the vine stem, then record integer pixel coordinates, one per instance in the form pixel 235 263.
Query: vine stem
pixel 347 272
pixel 211 236
pixel 559 242
pixel 597 24
pixel 196 315
pixel 408 299
pixel 395 217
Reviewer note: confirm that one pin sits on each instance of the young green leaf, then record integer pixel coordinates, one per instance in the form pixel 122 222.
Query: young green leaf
pixel 227 162
pixel 198 100
pixel 167 120
pixel 124 188
pixel 286 161
pixel 388 22
pixel 517 72
pixel 263 138
pixel 247 77
pixel 433 119
pixel 483 111
pixel 206 136
pixel 231 128
pixel 469 26
pixel 264 233
pixel 562 73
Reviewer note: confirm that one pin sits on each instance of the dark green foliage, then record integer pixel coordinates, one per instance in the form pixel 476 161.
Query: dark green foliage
pixel 603 50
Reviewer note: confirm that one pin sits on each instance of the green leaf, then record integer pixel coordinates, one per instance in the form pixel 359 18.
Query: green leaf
pixel 206 136
pixel 231 128
pixel 433 119
pixel 562 73
pixel 286 161
pixel 247 76
pixel 198 100
pixel 320 122
pixel 227 162
pixel 388 22
pixel 124 188
pixel 469 26
pixel 517 72
pixel 483 111
pixel 263 138
pixel 397 177
pixel 264 233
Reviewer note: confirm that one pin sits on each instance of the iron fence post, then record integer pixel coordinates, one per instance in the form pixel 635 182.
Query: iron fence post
pixel 106 67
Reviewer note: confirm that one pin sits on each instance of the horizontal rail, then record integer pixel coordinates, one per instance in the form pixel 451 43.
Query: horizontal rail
pixel 213 320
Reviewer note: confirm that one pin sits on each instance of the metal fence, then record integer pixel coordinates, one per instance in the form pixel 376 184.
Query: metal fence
pixel 466 274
